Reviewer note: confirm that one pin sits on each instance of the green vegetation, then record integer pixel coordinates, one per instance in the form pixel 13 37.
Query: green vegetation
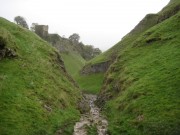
pixel 90 83
pixel 73 62
pixel 36 94
pixel 74 55
pixel 87 83
pixel 92 130
pixel 71 44
pixel 143 83
pixel 139 94
pixel 100 58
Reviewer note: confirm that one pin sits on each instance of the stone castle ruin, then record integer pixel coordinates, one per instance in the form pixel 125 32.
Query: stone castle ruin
pixel 42 31
pixel 66 45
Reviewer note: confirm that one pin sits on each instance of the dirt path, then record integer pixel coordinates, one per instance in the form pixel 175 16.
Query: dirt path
pixel 93 117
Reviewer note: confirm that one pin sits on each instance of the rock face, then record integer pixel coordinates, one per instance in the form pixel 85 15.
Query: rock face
pixel 147 22
pixel 152 19
pixel 62 44
pixel 96 68
pixel 84 105
pixel 5 50
pixel 168 13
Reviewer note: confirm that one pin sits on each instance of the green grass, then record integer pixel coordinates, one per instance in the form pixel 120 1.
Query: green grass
pixel 87 83
pixel 145 84
pixel 73 62
pixel 92 130
pixel 31 83
pixel 90 83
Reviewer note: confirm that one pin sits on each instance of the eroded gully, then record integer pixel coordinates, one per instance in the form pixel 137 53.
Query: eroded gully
pixel 91 118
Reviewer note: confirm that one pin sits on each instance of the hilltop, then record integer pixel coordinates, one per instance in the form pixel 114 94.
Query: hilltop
pixel 37 95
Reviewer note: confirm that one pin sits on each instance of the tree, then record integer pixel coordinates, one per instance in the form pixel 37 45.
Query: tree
pixel 33 25
pixel 21 21
pixel 96 51
pixel 87 52
pixel 90 52
pixel 74 38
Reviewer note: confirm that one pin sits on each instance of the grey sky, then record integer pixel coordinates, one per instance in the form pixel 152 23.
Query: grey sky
pixel 101 23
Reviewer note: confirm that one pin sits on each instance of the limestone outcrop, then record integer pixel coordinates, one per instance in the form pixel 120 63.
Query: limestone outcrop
pixel 95 68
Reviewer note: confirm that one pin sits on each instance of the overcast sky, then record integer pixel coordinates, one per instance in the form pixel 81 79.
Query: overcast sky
pixel 100 23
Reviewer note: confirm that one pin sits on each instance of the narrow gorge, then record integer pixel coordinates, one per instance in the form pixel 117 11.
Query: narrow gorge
pixel 51 84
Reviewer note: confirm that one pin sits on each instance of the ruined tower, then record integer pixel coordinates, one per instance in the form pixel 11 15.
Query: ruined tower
pixel 42 31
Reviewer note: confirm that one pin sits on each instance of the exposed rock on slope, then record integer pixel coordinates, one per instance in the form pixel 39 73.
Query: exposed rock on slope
pixel 96 68
pixel 5 41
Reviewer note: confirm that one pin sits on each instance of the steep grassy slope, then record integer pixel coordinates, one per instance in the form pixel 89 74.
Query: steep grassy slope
pixel 90 83
pixel 37 96
pixel 73 63
pixel 73 60
pixel 142 86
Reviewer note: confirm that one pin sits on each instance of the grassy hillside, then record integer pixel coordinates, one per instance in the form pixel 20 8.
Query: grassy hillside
pixel 87 83
pixel 142 86
pixel 37 96
pixel 90 83
pixel 73 63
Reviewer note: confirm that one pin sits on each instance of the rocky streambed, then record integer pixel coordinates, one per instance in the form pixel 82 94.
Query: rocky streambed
pixel 91 118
